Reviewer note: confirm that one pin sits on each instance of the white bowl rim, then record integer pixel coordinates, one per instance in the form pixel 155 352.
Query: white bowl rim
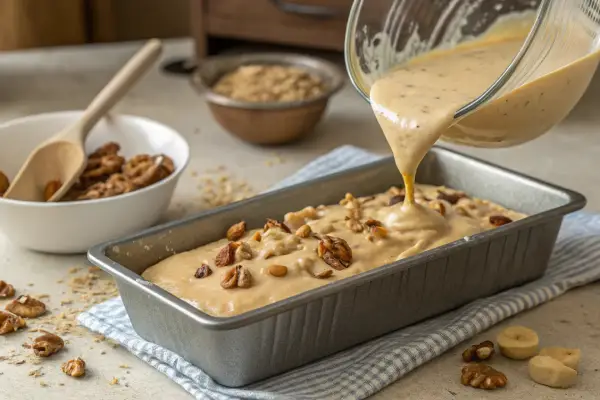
pixel 171 177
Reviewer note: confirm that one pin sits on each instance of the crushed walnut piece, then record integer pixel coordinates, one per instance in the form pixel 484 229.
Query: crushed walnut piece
pixel 74 368
pixel 451 198
pixel 226 255
pixel 483 377
pixel 438 206
pixel 236 231
pixel 259 83
pixel 26 306
pixel 107 174
pixel 499 220
pixel 354 225
pixel 237 276
pixel 10 322
pixel 304 231
pixel 4 183
pixel 257 236
pixel 6 290
pixel 479 352
pixel 335 252
pixel 273 223
pixel 326 273
pixel 46 345
pixel 203 272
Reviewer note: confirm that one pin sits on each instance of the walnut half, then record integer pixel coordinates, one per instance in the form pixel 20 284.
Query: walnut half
pixel 46 345
pixel 483 377
pixel 335 252
pixel 10 322
pixel 479 352
pixel 74 368
pixel 6 290
pixel 26 306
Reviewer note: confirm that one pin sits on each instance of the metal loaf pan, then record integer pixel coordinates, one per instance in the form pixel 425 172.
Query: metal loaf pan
pixel 236 351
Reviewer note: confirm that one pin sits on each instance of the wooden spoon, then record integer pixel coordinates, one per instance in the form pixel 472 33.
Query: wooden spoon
pixel 62 157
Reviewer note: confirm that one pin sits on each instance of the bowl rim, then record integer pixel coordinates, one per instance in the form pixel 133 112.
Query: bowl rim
pixel 318 65
pixel 175 175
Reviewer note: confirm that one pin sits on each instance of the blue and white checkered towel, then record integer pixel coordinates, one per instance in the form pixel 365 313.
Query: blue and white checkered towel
pixel 361 371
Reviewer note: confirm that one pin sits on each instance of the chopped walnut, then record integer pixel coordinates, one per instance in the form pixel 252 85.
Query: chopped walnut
pixel 396 199
pixel 98 167
pixel 51 188
pixel 257 236
pixel 439 207
pixel 6 290
pixel 4 183
pixel 115 185
pixel 482 376
pixel 479 352
pixel 243 251
pixel 236 231
pixel 108 149
pixel 10 322
pixel 298 218
pixel 304 231
pixel 226 255
pixel 354 225
pixel 237 276
pixel 273 223
pixel 145 170
pixel 74 368
pixel 370 223
pixel 46 345
pixel 499 220
pixel 326 273
pixel 395 191
pixel 377 232
pixel 335 252
pixel 26 306
pixel 203 272
pixel 451 198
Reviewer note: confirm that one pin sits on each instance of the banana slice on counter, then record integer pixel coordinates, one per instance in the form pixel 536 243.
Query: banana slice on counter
pixel 548 371
pixel 518 342
pixel 569 357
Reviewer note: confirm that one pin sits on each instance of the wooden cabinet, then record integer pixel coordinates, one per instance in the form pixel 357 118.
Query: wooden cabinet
pixel 309 23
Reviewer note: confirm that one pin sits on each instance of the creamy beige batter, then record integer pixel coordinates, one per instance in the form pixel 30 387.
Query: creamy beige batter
pixel 422 227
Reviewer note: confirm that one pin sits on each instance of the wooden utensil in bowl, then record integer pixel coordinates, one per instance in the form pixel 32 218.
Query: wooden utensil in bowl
pixel 62 158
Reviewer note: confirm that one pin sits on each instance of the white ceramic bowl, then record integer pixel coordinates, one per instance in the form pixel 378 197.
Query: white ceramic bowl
pixel 73 227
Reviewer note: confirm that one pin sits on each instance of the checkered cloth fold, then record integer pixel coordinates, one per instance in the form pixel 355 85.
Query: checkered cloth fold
pixel 363 370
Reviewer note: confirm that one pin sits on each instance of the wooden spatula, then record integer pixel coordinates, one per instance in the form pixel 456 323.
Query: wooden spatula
pixel 62 157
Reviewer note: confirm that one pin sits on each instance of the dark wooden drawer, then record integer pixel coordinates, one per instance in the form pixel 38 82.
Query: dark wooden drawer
pixel 280 22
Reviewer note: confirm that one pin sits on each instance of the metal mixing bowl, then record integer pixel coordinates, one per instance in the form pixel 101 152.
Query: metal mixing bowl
pixel 273 122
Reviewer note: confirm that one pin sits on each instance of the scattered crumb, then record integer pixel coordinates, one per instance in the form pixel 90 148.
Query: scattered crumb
pixel 30 284
pixel 74 270
pixel 60 281
pixel 93 268
pixel 61 384
pixel 43 296
pixel 451 392
pixel 564 321
pixel 124 366
pixel 43 384
pixel 114 381
pixel 36 373
pixel 194 173
pixel 99 338
pixel 102 352
pixel 66 302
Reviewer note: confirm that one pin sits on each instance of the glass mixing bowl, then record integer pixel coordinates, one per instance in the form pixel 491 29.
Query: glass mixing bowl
pixel 381 34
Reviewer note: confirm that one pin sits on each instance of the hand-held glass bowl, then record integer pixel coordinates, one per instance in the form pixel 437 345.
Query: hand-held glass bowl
pixel 381 34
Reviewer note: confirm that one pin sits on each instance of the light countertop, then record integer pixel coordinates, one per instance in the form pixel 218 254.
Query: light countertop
pixel 67 78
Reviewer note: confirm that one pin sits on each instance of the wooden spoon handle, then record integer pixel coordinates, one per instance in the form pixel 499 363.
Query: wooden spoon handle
pixel 119 86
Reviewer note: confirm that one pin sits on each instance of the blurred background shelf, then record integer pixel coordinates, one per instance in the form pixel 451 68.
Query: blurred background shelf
pixel 316 24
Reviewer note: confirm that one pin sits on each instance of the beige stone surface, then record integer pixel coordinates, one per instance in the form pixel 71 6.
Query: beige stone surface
pixel 62 79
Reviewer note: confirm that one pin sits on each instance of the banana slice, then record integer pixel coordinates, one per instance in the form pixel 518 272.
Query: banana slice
pixel 548 371
pixel 518 342
pixel 569 357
